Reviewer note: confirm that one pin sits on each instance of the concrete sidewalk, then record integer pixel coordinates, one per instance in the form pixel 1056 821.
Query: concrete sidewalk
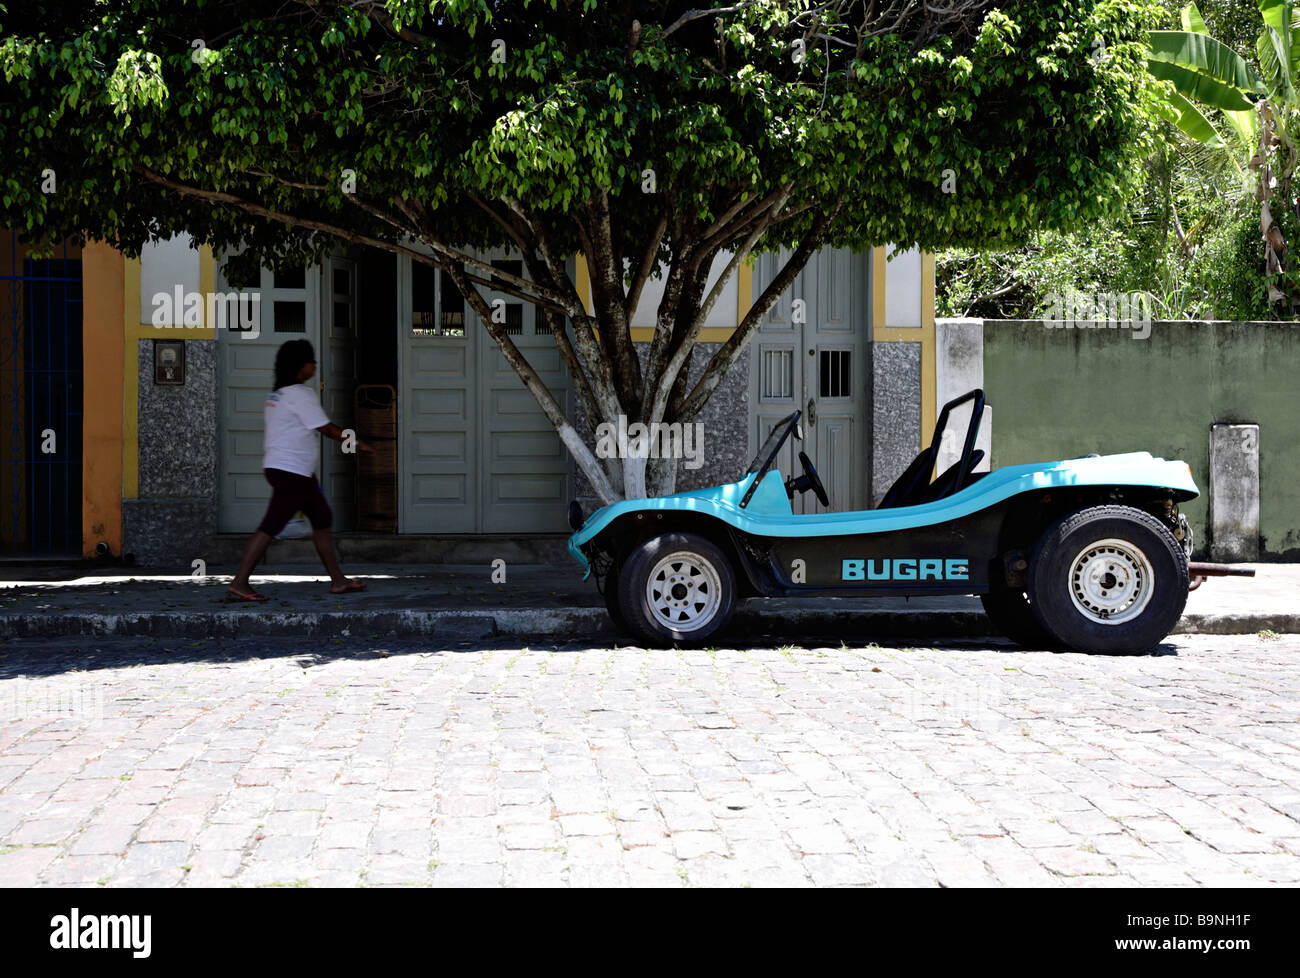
pixel 460 602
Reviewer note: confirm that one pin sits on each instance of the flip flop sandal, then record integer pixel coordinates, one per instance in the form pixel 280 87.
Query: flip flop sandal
pixel 350 588
pixel 253 596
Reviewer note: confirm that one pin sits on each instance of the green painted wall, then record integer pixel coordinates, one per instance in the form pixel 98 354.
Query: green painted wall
pixel 1058 393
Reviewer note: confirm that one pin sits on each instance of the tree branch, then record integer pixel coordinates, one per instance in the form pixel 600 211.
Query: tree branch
pixel 691 15
pixel 522 288
pixel 730 352
pixel 649 260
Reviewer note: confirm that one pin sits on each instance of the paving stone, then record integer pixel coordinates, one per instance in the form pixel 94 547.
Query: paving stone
pixel 837 870
pixel 219 863
pixel 144 858
pixel 80 870
pixel 536 869
pixel 1010 863
pixel 538 835
pixel 100 839
pixel 687 845
pixel 42 831
pixel 398 870
pixel 575 825
pixel 22 865
pixel 469 875
pixel 1074 861
pixel 1234 840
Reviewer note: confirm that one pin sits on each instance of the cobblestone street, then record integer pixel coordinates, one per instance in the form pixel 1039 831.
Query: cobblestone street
pixel 138 762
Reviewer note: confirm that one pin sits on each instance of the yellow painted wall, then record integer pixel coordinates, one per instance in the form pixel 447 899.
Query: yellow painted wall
pixel 103 285
pixel 922 333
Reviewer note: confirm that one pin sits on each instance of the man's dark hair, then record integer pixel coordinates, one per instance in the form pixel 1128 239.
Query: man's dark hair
pixel 289 359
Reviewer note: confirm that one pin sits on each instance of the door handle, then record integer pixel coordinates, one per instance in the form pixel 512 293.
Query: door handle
pixel 811 413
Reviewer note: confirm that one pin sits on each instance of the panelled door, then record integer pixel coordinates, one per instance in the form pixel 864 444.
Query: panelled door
pixel 338 373
pixel 476 453
pixel 810 355
pixel 436 454
pixel 289 310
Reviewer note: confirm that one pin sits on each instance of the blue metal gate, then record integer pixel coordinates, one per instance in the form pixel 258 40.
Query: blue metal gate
pixel 40 403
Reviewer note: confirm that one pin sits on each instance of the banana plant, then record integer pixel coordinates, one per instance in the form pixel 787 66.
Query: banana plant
pixel 1217 98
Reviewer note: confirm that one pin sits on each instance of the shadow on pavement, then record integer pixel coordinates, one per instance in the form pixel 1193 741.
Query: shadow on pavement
pixel 34 658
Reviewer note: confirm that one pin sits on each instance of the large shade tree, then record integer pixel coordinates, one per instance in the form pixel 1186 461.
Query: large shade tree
pixel 650 138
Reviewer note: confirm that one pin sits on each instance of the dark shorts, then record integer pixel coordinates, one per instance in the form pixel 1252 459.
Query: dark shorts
pixel 290 494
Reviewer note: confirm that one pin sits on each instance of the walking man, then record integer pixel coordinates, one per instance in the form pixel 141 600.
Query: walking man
pixel 293 417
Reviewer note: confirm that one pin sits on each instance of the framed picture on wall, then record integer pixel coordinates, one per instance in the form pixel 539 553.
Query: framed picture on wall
pixel 169 363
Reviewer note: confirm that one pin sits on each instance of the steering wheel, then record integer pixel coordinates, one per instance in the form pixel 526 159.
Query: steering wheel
pixel 809 480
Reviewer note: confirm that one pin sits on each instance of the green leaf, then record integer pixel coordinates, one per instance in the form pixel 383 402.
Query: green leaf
pixel 1192 21
pixel 1244 124
pixel 1272 62
pixel 1189 119
pixel 1278 15
pixel 1202 69
pixel 1274 48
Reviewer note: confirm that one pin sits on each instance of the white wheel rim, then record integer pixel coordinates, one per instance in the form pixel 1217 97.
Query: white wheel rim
pixel 683 592
pixel 1111 582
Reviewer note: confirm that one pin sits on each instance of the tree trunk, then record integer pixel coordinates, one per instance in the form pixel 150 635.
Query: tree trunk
pixel 662 476
pixel 634 481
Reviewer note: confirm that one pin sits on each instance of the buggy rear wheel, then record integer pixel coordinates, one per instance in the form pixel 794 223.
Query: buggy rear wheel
pixel 1108 579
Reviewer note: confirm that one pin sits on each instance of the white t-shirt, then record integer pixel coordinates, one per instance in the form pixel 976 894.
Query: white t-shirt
pixel 292 415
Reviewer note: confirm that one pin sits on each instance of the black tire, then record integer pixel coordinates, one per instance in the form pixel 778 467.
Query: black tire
pixel 701 598
pixel 1138 580
pixel 611 600
pixel 1011 614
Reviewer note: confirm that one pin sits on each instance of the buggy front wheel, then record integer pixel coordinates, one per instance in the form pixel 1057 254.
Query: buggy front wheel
pixel 676 587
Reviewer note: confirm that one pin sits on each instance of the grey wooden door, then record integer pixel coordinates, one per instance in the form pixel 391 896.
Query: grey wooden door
pixel 810 355
pixel 435 405
pixel 476 453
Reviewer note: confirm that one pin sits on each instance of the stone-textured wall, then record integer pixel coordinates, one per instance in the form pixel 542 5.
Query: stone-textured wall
pixel 1067 392
pixel 725 418
pixel 176 508
pixel 895 419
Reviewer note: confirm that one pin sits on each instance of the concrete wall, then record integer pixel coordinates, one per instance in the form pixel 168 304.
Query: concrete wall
pixel 1066 392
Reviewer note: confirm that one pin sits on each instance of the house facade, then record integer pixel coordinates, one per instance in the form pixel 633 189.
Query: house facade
pixel 162 387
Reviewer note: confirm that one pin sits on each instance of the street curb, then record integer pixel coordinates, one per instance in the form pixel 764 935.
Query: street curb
pixel 550 623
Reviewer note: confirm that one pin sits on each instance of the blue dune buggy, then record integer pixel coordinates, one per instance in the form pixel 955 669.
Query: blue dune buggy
pixel 1090 553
